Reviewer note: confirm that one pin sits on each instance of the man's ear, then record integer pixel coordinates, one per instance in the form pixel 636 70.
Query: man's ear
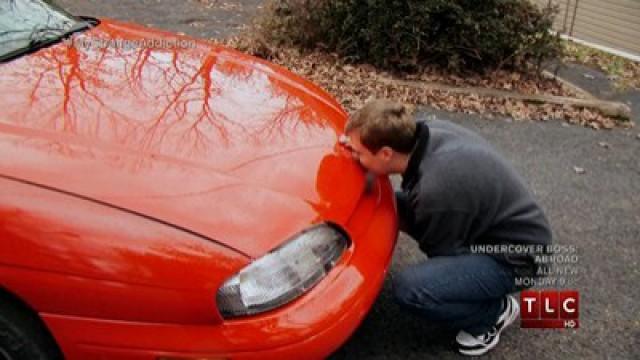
pixel 386 153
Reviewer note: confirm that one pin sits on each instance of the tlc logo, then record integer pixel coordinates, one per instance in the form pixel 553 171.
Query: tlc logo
pixel 549 309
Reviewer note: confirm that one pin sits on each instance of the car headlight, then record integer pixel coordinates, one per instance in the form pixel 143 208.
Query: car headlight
pixel 283 274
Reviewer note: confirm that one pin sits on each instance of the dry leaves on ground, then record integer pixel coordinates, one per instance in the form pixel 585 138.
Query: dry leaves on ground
pixel 353 85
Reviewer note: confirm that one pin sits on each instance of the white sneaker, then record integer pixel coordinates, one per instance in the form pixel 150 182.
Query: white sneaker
pixel 479 345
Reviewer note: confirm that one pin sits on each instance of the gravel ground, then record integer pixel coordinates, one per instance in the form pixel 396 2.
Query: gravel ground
pixel 588 181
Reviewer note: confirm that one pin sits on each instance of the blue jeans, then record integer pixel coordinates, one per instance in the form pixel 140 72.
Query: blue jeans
pixel 462 292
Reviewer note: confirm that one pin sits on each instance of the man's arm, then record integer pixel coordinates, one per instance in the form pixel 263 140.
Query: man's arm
pixel 442 232
pixel 405 212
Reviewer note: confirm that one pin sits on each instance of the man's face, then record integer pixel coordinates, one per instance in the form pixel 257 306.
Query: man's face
pixel 377 163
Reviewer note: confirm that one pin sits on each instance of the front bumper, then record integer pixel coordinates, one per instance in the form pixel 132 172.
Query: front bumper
pixel 312 327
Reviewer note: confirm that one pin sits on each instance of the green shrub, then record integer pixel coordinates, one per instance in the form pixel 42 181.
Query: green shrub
pixel 400 34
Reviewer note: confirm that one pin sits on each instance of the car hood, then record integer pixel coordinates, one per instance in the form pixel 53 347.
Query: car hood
pixel 191 134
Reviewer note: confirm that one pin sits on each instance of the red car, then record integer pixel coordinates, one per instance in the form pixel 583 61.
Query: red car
pixel 165 198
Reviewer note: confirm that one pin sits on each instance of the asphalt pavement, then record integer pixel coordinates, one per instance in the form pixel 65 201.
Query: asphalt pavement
pixel 587 181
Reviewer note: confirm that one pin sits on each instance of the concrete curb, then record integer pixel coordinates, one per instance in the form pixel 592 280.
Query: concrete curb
pixel 609 108
pixel 569 85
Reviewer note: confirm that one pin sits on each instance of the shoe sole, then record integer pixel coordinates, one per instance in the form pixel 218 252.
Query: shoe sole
pixel 481 351
pixel 508 320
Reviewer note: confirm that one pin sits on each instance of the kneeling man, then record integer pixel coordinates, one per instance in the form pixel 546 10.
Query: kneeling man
pixel 468 209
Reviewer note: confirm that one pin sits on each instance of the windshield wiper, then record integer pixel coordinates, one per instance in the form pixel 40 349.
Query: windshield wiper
pixel 38 41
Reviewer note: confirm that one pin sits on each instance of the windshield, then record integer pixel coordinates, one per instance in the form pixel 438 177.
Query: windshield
pixel 27 23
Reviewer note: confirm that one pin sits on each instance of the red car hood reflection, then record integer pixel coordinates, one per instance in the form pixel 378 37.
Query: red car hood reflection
pixel 204 138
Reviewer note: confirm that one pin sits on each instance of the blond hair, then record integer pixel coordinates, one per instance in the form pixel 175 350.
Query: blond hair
pixel 384 123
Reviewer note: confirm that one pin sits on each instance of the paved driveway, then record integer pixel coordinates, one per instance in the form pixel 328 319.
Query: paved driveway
pixel 199 18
